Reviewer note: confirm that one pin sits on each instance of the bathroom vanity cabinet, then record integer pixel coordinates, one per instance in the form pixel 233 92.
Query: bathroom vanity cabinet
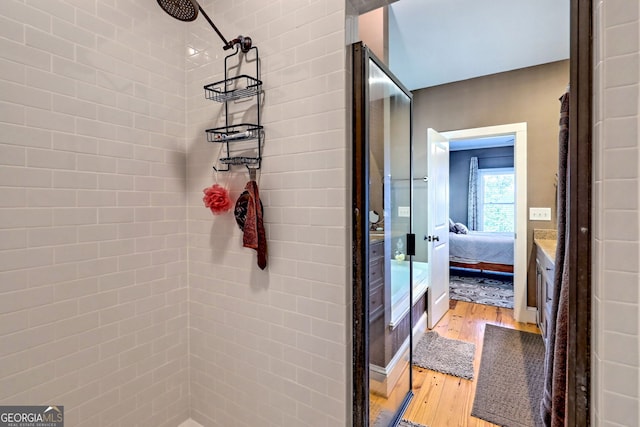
pixel 376 279
pixel 545 270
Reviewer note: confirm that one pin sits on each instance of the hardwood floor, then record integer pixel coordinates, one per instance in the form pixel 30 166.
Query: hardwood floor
pixel 442 400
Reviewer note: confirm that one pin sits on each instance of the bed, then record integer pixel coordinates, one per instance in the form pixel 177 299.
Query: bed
pixel 482 251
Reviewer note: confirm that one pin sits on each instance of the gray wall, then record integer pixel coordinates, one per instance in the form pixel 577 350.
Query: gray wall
pixel 498 157
pixel 527 95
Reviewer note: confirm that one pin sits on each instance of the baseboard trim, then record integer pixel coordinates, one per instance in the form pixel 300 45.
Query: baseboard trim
pixel 530 315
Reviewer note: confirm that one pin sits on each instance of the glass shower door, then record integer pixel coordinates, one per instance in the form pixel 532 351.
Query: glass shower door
pixel 383 237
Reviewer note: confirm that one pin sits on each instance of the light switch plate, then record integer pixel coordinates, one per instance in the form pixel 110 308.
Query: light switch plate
pixel 404 211
pixel 540 214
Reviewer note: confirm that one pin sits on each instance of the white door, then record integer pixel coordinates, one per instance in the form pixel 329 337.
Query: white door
pixel 438 237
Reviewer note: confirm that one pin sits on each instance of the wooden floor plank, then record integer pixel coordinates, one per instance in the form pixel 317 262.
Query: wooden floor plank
pixel 442 400
pixel 454 394
pixel 427 399
pixel 446 401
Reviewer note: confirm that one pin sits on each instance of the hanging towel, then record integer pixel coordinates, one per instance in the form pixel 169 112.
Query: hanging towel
pixel 254 236
pixel 555 365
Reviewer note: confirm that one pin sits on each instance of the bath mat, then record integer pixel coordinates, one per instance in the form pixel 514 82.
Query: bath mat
pixel 486 289
pixel 385 417
pixel 407 423
pixel 449 356
pixel 511 378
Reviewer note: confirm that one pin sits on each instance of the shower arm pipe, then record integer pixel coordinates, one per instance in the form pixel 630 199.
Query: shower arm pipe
pixel 227 44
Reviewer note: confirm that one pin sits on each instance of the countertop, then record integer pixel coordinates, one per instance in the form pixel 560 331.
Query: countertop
pixel 375 237
pixel 548 247
pixel 546 240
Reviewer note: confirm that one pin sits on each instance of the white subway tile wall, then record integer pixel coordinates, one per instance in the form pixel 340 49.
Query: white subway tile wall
pixel 101 149
pixel 270 347
pixel 93 271
pixel 615 394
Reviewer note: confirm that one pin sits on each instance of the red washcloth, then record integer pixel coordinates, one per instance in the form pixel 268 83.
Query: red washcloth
pixel 254 236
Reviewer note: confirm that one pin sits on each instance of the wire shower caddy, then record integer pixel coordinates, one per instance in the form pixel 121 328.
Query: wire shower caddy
pixel 230 90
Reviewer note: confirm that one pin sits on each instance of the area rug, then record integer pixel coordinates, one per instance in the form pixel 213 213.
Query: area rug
pixel 407 423
pixel 385 417
pixel 511 378
pixel 487 289
pixel 449 356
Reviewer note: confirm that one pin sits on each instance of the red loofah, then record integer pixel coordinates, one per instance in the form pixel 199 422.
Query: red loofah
pixel 217 199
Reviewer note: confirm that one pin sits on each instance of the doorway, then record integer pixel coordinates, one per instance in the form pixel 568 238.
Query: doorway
pixel 579 195
pixel 521 312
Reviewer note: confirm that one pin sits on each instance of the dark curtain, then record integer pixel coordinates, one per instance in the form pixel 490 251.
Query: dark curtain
pixel 555 387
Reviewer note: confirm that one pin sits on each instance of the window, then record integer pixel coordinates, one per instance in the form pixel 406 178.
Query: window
pixel 496 199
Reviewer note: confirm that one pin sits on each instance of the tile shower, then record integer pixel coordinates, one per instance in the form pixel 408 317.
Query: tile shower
pixel 114 281
pixel 121 297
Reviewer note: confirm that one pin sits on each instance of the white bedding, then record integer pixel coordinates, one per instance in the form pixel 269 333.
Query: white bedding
pixel 479 246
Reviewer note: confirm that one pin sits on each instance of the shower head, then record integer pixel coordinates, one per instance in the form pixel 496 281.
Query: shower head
pixel 183 10
pixel 187 10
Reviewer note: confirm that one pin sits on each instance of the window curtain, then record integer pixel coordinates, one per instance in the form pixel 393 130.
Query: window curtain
pixel 472 212
pixel 555 367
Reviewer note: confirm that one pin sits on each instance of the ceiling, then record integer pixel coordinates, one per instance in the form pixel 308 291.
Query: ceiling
pixel 487 142
pixel 433 42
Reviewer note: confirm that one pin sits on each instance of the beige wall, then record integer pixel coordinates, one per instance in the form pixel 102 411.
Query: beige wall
pixel 373 30
pixel 528 95
pixel 376 156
